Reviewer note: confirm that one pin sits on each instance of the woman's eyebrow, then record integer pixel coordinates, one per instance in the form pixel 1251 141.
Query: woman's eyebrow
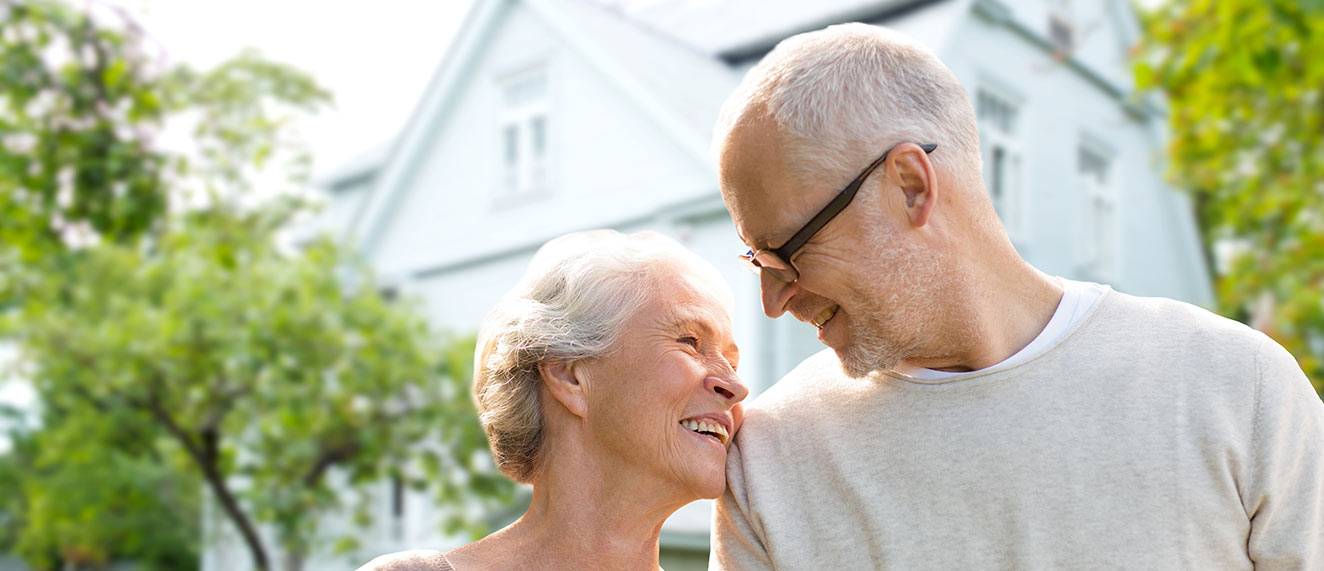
pixel 686 319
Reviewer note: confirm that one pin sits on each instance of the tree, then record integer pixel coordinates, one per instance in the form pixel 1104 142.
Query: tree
pixel 267 369
pixel 1245 83
pixel 143 288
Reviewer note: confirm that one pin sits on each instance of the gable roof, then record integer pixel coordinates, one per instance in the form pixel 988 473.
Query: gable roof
pixel 441 88
pixel 691 83
pixel 643 64
pixel 676 60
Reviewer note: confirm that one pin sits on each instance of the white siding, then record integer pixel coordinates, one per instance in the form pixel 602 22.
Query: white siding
pixel 1062 109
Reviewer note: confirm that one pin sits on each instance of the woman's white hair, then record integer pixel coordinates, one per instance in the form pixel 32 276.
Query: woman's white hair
pixel 845 93
pixel 571 304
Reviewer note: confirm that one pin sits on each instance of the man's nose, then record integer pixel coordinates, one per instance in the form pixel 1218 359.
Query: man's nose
pixel 776 294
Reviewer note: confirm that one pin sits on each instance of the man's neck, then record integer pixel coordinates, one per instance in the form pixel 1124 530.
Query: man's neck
pixel 993 318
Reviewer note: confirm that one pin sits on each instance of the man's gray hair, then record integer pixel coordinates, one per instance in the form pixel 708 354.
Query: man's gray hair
pixel 845 93
pixel 579 290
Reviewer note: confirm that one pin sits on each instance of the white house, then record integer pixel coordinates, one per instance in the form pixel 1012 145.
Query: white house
pixel 550 116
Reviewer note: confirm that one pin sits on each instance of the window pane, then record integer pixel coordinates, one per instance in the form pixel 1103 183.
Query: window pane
pixel 996 111
pixel 511 136
pixel 524 134
pixel 1094 166
pixel 538 131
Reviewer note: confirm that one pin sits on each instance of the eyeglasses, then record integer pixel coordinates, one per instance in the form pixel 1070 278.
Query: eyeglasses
pixel 777 261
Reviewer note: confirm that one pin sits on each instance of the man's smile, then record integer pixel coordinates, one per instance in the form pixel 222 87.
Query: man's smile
pixel 823 316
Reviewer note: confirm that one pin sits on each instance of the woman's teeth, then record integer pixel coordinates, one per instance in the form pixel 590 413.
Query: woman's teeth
pixel 825 316
pixel 712 429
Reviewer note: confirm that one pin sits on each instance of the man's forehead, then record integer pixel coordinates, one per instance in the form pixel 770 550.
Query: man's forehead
pixel 757 187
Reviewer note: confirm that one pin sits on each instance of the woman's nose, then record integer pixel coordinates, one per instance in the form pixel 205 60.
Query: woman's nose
pixel 728 386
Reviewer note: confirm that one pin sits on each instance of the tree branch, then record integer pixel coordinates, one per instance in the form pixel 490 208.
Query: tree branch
pixel 207 455
pixel 326 460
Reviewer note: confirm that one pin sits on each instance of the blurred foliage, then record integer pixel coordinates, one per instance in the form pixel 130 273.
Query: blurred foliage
pixel 96 488
pixel 75 95
pixel 1244 80
pixel 267 369
pixel 83 102
pixel 172 345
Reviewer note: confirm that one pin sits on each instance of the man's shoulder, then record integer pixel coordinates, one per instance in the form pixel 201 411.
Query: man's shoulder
pixel 803 384
pixel 1169 321
pixel 802 396
pixel 781 422
pixel 1181 341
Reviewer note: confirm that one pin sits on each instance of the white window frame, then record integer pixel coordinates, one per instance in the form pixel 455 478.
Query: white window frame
pixel 1005 180
pixel 1101 210
pixel 530 172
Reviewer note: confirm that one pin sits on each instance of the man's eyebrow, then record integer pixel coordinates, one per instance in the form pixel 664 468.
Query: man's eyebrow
pixel 759 242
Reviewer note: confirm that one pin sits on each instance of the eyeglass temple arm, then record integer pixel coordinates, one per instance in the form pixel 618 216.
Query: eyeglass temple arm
pixel 838 204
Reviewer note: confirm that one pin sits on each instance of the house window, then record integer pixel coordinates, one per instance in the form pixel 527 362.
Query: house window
pixel 1101 220
pixel 999 131
pixel 523 128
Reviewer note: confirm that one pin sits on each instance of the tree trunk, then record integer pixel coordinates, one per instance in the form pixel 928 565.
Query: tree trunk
pixel 231 506
pixel 207 455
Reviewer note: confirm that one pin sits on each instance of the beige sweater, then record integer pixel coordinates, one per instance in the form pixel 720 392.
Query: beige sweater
pixel 1153 435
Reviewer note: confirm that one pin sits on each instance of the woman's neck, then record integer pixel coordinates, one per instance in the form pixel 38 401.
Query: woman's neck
pixel 583 515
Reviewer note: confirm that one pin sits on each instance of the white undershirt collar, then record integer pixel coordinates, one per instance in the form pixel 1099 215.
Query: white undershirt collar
pixel 1077 299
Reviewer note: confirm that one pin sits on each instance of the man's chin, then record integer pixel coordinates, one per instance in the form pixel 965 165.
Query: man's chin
pixel 862 350
pixel 858 363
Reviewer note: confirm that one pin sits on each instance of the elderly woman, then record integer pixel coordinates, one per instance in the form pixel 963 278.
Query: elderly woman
pixel 605 380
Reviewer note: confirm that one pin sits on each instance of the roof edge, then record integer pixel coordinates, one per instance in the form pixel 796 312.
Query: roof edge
pixel 367 222
pixel 759 48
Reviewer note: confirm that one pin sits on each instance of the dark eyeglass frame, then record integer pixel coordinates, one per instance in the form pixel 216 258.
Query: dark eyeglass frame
pixel 777 261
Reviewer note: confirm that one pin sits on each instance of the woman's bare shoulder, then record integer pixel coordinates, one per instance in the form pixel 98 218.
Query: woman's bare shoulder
pixel 412 560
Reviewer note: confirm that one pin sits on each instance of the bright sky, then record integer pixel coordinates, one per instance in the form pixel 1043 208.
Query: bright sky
pixel 375 57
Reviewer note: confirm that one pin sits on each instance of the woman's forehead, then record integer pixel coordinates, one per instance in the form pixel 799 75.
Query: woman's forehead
pixel 685 292
pixel 682 306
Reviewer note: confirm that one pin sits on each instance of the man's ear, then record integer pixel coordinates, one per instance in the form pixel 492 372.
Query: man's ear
pixel 914 173
pixel 563 383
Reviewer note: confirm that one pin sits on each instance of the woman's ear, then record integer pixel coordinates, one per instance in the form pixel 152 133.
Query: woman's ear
pixel 563 382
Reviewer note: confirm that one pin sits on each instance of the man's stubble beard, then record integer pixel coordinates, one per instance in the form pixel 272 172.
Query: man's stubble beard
pixel 887 331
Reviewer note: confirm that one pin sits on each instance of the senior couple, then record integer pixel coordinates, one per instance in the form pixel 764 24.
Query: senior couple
pixel 973 412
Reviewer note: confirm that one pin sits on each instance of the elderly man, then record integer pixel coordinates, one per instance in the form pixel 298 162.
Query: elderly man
pixel 973 412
